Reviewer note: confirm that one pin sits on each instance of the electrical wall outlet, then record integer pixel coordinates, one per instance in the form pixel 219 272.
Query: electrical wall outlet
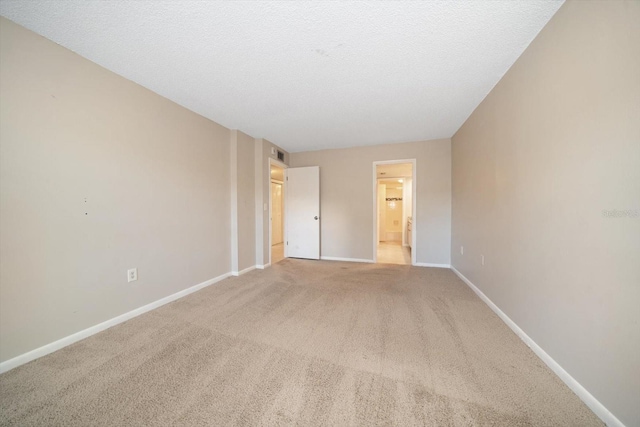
pixel 132 275
pixel 461 250
pixel 482 259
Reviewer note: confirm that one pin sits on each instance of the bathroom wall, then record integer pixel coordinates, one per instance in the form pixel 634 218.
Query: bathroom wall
pixel 394 213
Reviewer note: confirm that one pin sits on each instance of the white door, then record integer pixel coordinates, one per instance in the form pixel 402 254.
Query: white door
pixel 276 213
pixel 303 212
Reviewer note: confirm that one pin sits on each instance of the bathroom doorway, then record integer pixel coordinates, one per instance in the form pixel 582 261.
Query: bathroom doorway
pixel 394 195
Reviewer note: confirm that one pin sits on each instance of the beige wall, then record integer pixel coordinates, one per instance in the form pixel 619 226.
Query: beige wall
pixel 551 148
pixel 98 175
pixel 346 197
pixel 246 200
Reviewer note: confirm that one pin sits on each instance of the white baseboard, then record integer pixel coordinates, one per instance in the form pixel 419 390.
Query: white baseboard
pixel 428 264
pixel 262 267
pixel 68 340
pixel 241 272
pixel 333 258
pixel 418 264
pixel 598 408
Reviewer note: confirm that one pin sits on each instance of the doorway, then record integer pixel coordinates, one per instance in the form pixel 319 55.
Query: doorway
pixel 276 214
pixel 394 211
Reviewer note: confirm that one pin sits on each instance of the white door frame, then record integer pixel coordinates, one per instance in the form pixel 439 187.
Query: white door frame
pixel 414 202
pixel 278 163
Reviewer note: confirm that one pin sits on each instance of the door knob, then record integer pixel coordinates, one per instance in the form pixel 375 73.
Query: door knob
pixel 315 217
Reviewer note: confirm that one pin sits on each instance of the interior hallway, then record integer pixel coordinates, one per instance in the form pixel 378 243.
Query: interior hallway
pixel 393 253
pixel 277 253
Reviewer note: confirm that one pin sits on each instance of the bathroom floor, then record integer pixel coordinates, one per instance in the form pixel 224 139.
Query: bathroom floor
pixel 393 253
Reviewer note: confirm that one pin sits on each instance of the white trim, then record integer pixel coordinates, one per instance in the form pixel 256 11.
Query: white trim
pixel 428 264
pixel 598 408
pixel 333 258
pixel 241 272
pixel 277 163
pixel 262 267
pixel 414 203
pixel 68 340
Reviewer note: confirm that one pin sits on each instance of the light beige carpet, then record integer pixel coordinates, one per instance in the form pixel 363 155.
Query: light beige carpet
pixel 302 343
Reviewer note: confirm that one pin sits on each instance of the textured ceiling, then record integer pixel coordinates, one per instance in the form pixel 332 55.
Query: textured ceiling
pixel 305 75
